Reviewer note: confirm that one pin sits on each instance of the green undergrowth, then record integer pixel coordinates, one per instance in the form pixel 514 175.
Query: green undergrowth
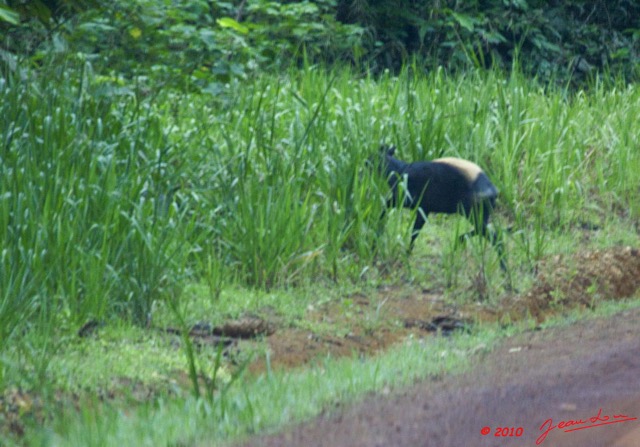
pixel 120 360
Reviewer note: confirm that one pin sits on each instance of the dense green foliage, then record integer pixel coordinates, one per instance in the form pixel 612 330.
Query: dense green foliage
pixel 548 38
pixel 189 43
pixel 75 170
pixel 204 43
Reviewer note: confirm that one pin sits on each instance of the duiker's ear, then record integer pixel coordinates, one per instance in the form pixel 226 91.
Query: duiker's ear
pixel 386 149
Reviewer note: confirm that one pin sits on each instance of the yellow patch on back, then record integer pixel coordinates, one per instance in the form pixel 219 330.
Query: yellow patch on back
pixel 470 170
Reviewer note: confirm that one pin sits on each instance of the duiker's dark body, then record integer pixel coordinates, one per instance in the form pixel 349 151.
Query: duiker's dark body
pixel 446 185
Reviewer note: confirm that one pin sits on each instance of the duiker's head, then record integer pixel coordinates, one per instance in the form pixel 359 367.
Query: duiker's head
pixel 380 161
pixel 387 150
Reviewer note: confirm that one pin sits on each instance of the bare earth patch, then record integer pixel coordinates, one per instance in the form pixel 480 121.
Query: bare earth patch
pixel 583 377
pixel 375 323
pixel 580 384
pixel 581 280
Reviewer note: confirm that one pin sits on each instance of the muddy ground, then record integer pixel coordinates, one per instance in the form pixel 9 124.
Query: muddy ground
pixel 587 375
pixel 367 324
pixel 570 378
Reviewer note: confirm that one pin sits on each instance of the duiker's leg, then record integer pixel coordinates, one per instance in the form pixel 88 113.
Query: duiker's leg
pixel 479 217
pixel 421 218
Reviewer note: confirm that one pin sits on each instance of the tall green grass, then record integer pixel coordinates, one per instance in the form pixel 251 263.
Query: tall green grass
pixel 560 159
pixel 274 188
pixel 80 233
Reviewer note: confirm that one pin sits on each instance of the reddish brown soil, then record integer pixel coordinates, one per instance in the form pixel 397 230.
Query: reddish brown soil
pixel 584 371
pixel 373 323
pixel 567 374
pixel 356 325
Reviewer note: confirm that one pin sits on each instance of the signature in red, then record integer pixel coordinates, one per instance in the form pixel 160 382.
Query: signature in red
pixel 580 424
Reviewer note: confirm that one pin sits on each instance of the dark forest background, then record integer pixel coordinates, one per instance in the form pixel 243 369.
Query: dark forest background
pixel 198 44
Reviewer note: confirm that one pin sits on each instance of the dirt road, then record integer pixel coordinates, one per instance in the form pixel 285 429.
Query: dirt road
pixel 579 384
